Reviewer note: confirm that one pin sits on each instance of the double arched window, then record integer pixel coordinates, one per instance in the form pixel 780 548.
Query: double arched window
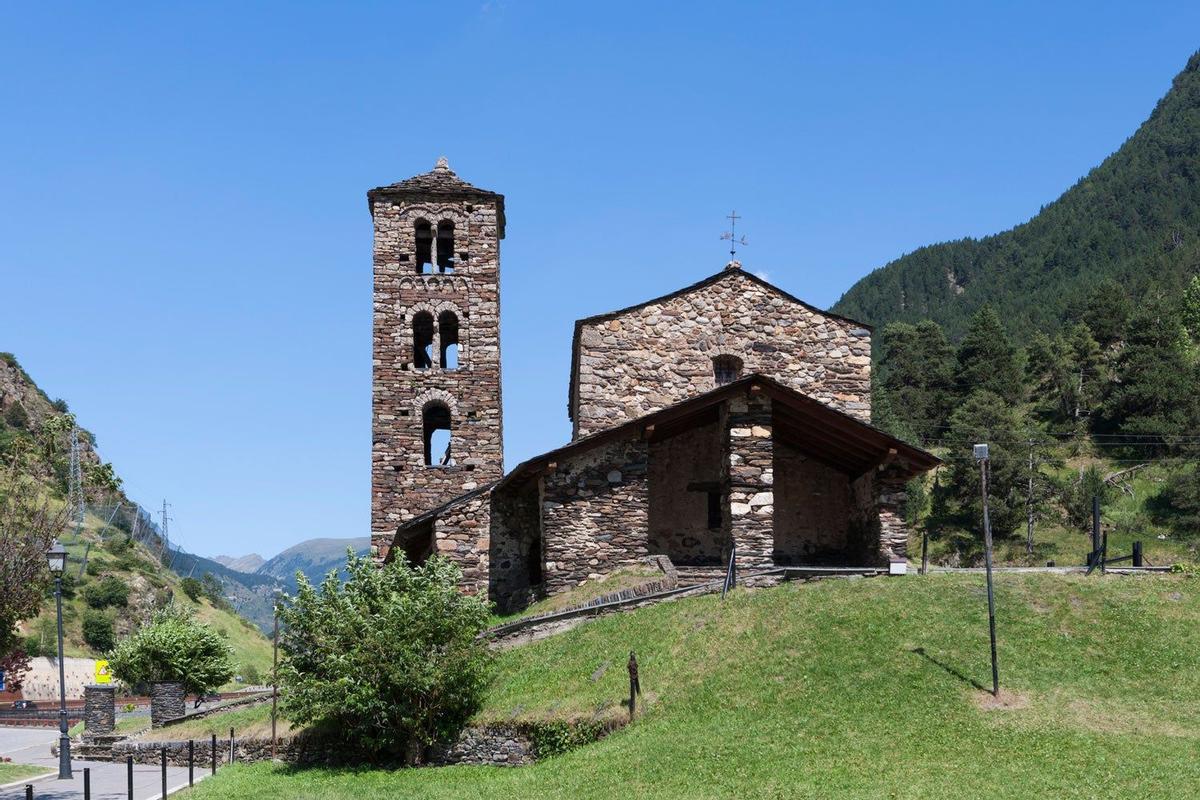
pixel 441 341
pixel 434 249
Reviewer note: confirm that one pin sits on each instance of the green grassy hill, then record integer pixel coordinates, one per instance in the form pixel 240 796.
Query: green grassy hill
pixel 846 688
pixel 1134 219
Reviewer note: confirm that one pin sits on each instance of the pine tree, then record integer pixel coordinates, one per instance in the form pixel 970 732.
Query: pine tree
pixel 916 376
pixel 987 360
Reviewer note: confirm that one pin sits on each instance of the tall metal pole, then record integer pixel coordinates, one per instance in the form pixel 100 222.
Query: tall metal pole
pixel 64 741
pixel 274 677
pixel 987 561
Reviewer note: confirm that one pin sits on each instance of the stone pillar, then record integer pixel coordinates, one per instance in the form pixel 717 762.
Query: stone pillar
pixel 749 455
pixel 167 701
pixel 99 709
pixel 893 530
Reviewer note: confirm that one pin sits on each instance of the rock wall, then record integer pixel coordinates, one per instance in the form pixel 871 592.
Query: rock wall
pixel 99 709
pixel 402 485
pixel 652 357
pixel 594 512
pixel 812 510
pixel 168 701
pixel 684 470
pixel 515 547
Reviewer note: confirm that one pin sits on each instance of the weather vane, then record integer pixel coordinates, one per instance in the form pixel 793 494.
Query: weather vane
pixel 732 237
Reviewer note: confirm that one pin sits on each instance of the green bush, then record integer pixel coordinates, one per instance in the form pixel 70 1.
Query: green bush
pixel 389 660
pixel 192 588
pixel 174 647
pixel 109 592
pixel 16 416
pixel 95 569
pixel 251 675
pixel 98 630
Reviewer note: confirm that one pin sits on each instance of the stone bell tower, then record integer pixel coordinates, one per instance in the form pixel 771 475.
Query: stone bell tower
pixel 436 414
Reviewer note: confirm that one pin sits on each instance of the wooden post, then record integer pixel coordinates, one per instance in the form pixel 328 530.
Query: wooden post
pixel 231 745
pixel 924 550
pixel 274 678
pixel 1095 532
pixel 635 685
pixel 1137 554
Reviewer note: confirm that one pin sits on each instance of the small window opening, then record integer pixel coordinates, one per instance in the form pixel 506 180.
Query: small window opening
pixel 424 238
pixel 436 424
pixel 423 340
pixel 726 369
pixel 448 328
pixel 533 562
pixel 445 246
pixel 714 511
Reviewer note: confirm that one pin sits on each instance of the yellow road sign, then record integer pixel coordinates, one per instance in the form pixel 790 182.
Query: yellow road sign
pixel 102 673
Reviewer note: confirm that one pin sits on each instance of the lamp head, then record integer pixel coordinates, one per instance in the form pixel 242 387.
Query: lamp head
pixel 981 452
pixel 56 558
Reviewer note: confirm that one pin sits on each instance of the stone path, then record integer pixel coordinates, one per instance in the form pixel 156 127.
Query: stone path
pixel 109 781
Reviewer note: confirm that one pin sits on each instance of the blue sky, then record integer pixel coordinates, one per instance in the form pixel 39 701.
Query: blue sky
pixel 184 234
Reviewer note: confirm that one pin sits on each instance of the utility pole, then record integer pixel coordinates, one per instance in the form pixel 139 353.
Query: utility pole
pixel 1029 506
pixel 166 541
pixel 274 675
pixel 981 455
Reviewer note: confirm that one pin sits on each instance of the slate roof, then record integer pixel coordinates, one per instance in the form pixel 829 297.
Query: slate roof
pixel 734 269
pixel 439 182
pixel 822 432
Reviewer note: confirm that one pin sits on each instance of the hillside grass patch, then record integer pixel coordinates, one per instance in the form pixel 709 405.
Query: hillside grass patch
pixel 845 688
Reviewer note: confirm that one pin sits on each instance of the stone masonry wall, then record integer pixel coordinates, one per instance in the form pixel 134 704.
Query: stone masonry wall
pixel 516 541
pixel 402 486
pixel 812 510
pixel 168 700
pixel 751 461
pixel 682 468
pixel 594 512
pixel 99 709
pixel 463 534
pixel 653 357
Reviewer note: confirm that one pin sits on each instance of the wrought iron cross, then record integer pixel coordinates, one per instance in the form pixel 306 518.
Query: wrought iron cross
pixel 732 237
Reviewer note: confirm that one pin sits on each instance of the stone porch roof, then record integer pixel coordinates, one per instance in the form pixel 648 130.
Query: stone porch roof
pixel 732 270
pixel 822 432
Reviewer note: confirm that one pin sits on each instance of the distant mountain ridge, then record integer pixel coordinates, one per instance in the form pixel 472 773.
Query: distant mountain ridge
pixel 248 563
pixel 1135 219
pixel 314 557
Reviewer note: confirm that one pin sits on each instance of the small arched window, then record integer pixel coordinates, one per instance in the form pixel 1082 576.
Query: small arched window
pixel 422 331
pixel 448 337
pixel 445 246
pixel 726 369
pixel 435 422
pixel 423 232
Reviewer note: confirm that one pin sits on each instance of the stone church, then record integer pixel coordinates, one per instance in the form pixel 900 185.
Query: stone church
pixel 727 417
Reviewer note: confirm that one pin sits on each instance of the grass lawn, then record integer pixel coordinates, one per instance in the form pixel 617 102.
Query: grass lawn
pixel 846 689
pixel 19 772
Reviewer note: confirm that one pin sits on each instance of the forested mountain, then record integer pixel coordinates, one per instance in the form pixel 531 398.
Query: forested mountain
pixel 1134 220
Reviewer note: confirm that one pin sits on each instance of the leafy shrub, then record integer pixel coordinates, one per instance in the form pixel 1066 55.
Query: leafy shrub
pixel 94 569
pixel 98 630
pixel 109 592
pixel 389 661
pixel 558 737
pixel 251 675
pixel 174 647
pixel 192 588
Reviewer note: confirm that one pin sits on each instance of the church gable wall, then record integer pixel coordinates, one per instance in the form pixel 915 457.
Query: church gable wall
pixel 652 357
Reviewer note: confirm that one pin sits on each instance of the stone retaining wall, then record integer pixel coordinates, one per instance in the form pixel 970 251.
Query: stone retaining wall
pixel 99 709
pixel 168 700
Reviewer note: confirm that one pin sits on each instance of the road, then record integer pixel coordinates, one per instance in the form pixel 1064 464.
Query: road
pixel 109 781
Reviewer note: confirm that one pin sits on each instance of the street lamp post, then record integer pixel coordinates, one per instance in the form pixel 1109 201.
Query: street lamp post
pixel 981 455
pixel 56 557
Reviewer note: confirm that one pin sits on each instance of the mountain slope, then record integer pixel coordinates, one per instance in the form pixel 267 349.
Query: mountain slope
pixel 314 558
pixel 1134 219
pixel 117 539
